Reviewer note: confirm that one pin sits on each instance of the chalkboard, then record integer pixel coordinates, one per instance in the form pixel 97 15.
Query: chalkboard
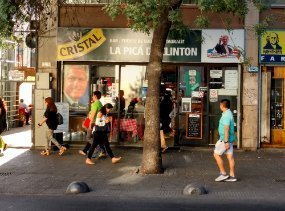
pixel 194 125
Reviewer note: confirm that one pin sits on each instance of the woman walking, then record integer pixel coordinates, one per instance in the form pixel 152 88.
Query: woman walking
pixel 100 135
pixel 3 125
pixel 50 118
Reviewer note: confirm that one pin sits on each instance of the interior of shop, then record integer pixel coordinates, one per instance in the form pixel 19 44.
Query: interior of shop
pixel 190 97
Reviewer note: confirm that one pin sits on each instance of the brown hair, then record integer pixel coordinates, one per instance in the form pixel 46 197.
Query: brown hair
pixel 50 104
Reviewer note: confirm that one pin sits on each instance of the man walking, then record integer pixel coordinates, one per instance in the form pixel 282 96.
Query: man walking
pixel 225 144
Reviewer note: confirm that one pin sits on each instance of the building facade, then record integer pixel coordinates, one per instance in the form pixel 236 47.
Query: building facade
pixel 197 75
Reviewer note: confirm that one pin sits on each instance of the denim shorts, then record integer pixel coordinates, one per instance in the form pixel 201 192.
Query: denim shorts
pixel 220 148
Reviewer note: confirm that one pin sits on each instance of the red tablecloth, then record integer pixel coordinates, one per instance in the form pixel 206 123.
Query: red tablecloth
pixel 128 125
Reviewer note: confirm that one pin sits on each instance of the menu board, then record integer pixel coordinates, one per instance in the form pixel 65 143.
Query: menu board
pixel 194 125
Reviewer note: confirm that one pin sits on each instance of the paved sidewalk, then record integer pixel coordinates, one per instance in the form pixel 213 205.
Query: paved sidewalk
pixel 261 175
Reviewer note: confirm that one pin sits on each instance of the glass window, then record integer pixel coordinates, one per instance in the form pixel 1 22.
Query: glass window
pixel 276 108
pixel 131 100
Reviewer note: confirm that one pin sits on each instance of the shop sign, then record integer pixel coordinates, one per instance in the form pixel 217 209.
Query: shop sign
pixel 272 47
pixel 216 73
pixel 16 75
pixel 123 45
pixel 253 69
pixel 203 88
pixel 222 46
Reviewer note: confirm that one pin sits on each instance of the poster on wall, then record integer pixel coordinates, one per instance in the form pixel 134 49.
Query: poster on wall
pixel 123 45
pixel 222 46
pixel 231 79
pixel 76 87
pixel 63 109
pixel 213 95
pixel 186 105
pixel 272 46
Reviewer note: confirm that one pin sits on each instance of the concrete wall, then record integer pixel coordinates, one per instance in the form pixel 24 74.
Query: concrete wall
pixel 250 84
pixel 47 62
pixel 94 16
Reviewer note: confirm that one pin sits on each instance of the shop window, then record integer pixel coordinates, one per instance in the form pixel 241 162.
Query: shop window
pixel 277 104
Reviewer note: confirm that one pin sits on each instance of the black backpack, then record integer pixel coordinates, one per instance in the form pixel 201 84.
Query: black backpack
pixel 59 119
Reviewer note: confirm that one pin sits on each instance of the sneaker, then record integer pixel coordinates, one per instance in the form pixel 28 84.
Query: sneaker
pixel 221 177
pixel 231 179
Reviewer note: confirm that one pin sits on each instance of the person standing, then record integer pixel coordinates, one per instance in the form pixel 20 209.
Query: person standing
pixel 50 118
pixel 225 144
pixel 101 137
pixel 3 125
pixel 24 106
pixel 95 108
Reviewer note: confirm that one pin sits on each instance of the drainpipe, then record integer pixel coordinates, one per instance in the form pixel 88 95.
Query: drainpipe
pixel 259 105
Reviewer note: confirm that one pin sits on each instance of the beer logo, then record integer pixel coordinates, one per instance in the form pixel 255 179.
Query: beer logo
pixel 81 47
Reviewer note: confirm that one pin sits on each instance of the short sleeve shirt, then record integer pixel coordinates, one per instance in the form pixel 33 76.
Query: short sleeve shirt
pixel 96 106
pixel 227 119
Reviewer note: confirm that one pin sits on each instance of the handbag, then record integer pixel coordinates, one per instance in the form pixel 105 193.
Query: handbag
pixel 86 123
pixel 102 129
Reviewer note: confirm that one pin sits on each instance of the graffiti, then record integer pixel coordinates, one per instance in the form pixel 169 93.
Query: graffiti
pixel 250 96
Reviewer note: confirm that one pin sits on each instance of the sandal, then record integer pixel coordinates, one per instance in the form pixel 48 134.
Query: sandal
pixel 45 152
pixel 61 151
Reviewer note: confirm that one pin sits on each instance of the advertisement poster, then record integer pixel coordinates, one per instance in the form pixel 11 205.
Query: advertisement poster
pixel 231 79
pixel 272 47
pixel 123 45
pixel 63 109
pixel 213 95
pixel 186 104
pixel 76 87
pixel 222 46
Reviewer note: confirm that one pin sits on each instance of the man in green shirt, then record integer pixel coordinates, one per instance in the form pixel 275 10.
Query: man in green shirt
pixel 95 108
pixel 225 144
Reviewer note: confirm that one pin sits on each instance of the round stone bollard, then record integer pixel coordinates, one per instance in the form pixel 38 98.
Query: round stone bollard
pixel 194 189
pixel 77 187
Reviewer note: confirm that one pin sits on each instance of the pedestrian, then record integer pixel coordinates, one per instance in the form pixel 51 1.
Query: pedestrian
pixel 3 125
pixel 24 106
pixel 50 118
pixel 225 144
pixel 101 136
pixel 95 108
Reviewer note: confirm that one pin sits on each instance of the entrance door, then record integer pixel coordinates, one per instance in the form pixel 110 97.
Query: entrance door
pixel 202 88
pixel 223 84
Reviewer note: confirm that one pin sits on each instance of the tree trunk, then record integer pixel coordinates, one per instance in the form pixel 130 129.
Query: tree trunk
pixel 152 161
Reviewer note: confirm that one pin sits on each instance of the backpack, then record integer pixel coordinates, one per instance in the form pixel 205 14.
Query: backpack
pixel 59 119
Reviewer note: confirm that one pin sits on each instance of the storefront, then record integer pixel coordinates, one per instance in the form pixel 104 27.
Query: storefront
pixel 272 59
pixel 196 74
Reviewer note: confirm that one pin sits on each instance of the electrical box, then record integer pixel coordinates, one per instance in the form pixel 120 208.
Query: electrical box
pixel 43 80
pixel 40 107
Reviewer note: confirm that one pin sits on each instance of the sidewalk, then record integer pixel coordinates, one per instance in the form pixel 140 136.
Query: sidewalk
pixel 260 174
